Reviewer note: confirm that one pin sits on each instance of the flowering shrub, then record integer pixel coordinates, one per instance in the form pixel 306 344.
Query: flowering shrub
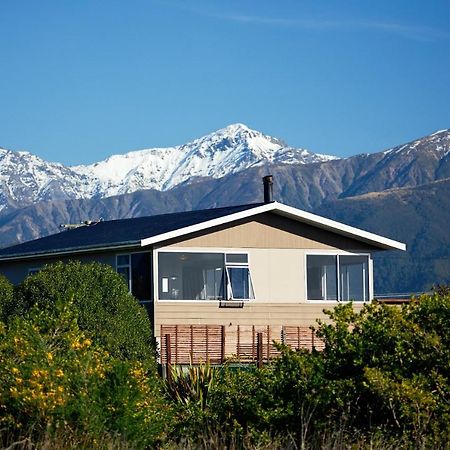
pixel 53 377
pixel 106 310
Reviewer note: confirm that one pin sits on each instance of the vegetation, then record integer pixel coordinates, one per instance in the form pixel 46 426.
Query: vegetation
pixel 383 377
pixel 105 308
pixel 71 378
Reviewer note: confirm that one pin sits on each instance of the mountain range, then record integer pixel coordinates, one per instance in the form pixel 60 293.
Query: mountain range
pixel 27 179
pixel 400 192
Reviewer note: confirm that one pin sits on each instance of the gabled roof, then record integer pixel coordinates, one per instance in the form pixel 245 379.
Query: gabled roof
pixel 144 231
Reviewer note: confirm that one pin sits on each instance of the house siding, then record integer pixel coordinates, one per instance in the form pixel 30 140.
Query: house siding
pixel 270 231
pixel 277 249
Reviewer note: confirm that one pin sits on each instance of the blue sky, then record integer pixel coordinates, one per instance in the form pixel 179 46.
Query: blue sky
pixel 81 80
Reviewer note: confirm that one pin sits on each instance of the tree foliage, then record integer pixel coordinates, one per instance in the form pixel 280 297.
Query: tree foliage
pixel 105 308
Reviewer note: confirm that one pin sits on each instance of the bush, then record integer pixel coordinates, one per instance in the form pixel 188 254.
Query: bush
pixel 390 366
pixel 54 378
pixel 6 298
pixel 384 376
pixel 106 310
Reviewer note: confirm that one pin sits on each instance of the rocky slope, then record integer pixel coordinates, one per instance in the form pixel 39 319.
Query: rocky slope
pixel 26 179
pixel 401 193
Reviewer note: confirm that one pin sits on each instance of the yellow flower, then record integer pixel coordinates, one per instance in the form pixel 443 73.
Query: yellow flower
pixel 59 373
pixel 49 356
pixel 15 370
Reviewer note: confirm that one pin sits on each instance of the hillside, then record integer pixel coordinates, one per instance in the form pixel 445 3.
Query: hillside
pixel 419 216
pixel 400 192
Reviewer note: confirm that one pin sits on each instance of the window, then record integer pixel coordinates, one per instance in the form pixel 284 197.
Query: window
pixel 337 277
pixel 321 277
pixel 136 271
pixel 238 276
pixel 204 276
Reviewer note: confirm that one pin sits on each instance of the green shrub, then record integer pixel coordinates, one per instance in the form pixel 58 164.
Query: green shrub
pixel 390 367
pixel 54 378
pixel 106 309
pixel 384 376
pixel 6 298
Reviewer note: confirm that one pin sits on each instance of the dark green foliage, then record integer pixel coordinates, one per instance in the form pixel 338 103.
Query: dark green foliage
pixel 105 308
pixel 6 298
pixel 384 376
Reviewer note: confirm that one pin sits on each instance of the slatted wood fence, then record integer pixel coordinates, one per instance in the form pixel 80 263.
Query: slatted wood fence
pixel 215 343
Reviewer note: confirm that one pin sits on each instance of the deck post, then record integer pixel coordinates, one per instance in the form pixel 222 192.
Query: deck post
pixel 168 358
pixel 259 350
pixel 222 345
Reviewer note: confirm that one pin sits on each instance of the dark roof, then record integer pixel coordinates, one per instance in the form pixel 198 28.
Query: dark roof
pixel 112 233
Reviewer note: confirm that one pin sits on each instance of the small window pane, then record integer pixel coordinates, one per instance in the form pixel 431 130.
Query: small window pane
pixel 321 277
pixel 236 258
pixel 240 282
pixel 123 260
pixel 354 278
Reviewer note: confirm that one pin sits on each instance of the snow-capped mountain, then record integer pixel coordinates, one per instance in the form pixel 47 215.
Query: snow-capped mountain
pixel 26 179
pixel 229 150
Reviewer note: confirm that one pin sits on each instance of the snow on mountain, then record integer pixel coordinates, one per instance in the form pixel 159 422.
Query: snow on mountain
pixel 229 150
pixel 26 179
pixel 437 144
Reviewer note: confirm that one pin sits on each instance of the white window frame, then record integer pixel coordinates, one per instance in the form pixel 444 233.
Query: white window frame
pixel 337 254
pixel 224 252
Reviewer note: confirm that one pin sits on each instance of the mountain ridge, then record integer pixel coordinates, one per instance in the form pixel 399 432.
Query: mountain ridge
pixel 26 178
pixel 401 193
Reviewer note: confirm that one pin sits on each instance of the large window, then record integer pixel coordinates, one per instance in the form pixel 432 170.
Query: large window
pixel 203 276
pixel 337 277
pixel 136 271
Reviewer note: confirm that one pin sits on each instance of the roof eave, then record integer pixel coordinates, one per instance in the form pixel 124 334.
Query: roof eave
pixel 70 251
pixel 375 240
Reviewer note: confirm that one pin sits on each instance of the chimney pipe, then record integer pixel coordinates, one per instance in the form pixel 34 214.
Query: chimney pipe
pixel 268 188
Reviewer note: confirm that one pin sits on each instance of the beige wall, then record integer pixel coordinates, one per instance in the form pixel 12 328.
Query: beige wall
pixel 252 313
pixel 277 249
pixel 269 231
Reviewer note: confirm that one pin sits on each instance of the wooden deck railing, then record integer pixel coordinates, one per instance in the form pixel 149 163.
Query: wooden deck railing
pixel 185 344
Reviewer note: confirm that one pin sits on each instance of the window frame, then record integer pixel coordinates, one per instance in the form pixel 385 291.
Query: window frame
pixel 130 272
pixel 337 254
pixel 224 252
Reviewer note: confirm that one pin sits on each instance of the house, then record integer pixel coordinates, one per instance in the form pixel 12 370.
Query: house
pixel 228 272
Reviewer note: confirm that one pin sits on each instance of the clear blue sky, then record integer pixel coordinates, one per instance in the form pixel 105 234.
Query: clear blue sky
pixel 83 79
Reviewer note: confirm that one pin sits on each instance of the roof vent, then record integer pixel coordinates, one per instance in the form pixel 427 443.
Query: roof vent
pixel 268 188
